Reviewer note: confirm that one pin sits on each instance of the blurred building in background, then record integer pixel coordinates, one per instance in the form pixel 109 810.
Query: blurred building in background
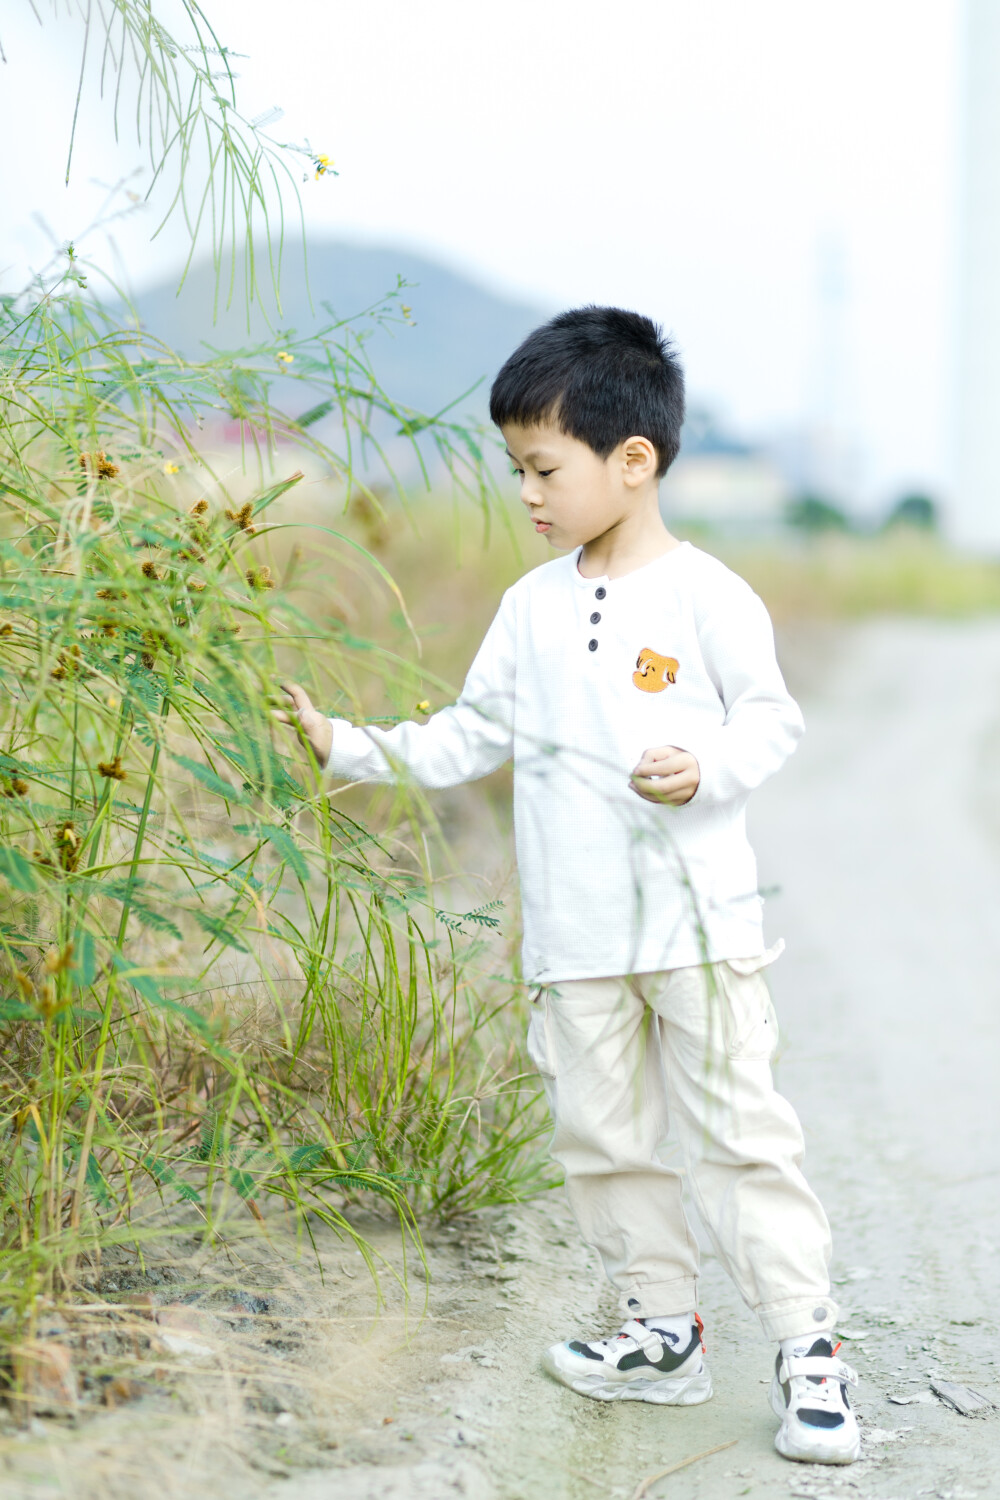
pixel 718 480
pixel 975 511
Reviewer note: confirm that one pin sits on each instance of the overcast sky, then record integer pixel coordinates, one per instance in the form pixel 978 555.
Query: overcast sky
pixel 716 163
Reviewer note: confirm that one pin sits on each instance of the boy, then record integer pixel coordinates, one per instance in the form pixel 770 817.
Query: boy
pixel 634 682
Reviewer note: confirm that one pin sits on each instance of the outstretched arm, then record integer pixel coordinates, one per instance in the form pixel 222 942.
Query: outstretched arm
pixel 462 742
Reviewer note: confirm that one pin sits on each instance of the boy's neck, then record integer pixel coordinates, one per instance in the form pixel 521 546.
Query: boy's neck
pixel 638 538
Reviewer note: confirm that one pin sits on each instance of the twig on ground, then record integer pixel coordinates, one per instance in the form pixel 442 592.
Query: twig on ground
pixel 644 1484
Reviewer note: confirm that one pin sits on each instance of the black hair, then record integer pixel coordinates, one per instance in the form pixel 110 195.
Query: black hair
pixel 603 375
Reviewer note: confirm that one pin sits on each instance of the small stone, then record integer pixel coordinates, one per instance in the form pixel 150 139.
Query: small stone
pixel 181 1319
pixel 119 1390
pixel 185 1346
pixel 961 1398
pixel 249 1302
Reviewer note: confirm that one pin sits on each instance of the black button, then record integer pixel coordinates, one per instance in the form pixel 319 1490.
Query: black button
pixel 600 593
pixel 592 645
pixel 595 618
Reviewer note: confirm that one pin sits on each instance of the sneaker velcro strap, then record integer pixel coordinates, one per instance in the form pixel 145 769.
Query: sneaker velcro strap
pixel 816 1365
pixel 648 1339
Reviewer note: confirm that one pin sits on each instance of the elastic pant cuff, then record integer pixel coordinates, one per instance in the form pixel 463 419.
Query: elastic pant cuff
pixel 665 1299
pixel 789 1320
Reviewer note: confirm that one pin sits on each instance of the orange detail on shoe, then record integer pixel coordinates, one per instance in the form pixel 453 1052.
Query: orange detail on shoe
pixel 701 1332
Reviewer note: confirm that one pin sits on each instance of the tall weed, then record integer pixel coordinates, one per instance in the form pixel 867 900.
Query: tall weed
pixel 221 992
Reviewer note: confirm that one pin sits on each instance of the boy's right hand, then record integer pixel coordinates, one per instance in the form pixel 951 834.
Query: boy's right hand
pixel 313 728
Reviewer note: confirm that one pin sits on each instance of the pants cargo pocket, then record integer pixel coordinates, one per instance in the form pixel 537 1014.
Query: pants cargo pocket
pixel 538 1041
pixel 749 1021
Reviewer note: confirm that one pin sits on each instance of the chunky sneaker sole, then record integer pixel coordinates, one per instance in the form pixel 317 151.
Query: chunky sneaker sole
pixel 638 1364
pixel 809 1395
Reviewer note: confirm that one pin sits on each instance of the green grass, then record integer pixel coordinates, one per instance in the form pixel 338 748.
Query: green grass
pixel 221 991
pixel 851 577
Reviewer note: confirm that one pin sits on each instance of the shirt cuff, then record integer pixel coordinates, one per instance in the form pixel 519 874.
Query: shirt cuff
pixel 341 762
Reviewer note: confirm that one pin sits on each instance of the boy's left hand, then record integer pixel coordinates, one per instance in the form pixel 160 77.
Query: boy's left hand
pixel 666 774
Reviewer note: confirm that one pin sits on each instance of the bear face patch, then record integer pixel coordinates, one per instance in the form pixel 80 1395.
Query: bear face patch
pixel 654 672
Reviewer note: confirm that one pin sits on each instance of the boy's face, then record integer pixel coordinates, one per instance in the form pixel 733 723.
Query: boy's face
pixel 573 496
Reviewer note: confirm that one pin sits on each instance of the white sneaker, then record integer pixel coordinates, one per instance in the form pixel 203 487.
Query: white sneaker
pixel 809 1394
pixel 637 1364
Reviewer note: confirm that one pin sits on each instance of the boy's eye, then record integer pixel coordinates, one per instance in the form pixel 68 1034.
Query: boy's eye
pixel 518 471
pixel 544 473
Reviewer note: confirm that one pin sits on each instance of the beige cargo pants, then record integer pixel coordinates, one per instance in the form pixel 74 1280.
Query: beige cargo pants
pixel 615 1055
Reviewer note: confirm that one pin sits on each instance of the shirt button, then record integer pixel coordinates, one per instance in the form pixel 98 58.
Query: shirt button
pixel 600 593
pixel 592 645
pixel 595 617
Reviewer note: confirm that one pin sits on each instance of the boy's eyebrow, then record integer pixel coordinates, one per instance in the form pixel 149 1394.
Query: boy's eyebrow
pixel 532 454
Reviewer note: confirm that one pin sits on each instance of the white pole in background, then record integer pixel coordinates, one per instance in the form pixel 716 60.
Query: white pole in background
pixel 975 517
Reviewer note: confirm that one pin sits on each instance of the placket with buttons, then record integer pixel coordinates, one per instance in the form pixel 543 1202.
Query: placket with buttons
pixel 595 619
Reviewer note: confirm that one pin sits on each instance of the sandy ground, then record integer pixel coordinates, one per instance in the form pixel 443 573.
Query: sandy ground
pixel 883 835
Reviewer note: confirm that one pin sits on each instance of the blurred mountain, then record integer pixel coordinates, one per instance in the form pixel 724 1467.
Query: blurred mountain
pixel 463 331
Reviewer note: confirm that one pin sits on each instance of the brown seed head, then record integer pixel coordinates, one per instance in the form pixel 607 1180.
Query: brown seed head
pixel 149 569
pixel 112 769
pixel 242 517
pixel 68 662
pixel 68 844
pixel 57 960
pixel 99 464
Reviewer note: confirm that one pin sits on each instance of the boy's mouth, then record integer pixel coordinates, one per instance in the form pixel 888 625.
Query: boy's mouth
pixel 543 525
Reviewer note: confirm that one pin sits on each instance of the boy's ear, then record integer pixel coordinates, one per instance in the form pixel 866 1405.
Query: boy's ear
pixel 639 460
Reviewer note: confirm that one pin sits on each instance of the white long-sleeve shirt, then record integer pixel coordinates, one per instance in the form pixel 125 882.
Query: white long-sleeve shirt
pixel 575 678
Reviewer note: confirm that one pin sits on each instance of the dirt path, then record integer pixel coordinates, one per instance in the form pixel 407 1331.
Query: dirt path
pixel 884 835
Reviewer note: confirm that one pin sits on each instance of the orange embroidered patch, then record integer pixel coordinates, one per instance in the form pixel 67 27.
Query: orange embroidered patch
pixel 654 672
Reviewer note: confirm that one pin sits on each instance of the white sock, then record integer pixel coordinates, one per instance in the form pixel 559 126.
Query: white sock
pixel 677 1328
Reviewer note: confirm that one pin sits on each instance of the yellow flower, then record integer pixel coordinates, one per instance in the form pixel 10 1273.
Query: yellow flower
pixel 423 707
pixel 285 357
pixel 323 166
pixel 171 468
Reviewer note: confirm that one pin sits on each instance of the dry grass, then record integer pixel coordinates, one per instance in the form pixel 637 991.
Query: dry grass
pixel 452 574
